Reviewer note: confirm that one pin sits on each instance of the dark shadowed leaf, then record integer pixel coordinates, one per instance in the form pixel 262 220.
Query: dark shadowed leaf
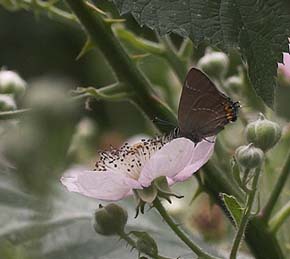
pixel 259 29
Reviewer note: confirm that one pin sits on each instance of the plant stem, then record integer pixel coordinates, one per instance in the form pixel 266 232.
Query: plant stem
pixel 102 36
pixel 245 176
pixel 173 59
pixel 279 218
pixel 186 49
pixel 9 115
pixel 52 11
pixel 132 243
pixel 245 217
pixel 221 183
pixel 197 250
pixel 266 212
pixel 262 243
pixel 165 49
pixel 138 42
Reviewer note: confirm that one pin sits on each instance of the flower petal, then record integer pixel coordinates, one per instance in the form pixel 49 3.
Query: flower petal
pixel 285 67
pixel 101 185
pixel 201 154
pixel 171 159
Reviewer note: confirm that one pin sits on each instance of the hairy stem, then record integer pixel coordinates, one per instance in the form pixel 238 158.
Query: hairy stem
pixel 173 59
pixel 261 241
pixel 126 71
pixel 246 216
pixel 245 176
pixel 50 10
pixel 266 212
pixel 13 114
pixel 197 250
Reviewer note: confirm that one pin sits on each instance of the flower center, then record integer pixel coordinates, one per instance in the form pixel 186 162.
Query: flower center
pixel 130 159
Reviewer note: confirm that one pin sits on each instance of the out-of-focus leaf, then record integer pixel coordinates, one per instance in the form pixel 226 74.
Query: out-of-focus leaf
pixel 63 228
pixel 233 207
pixel 260 29
pixel 38 147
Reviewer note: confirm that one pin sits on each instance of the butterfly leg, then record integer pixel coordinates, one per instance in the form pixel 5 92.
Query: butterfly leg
pixel 209 141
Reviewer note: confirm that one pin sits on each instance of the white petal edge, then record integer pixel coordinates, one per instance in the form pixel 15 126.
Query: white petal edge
pixel 171 159
pixel 202 153
pixel 109 186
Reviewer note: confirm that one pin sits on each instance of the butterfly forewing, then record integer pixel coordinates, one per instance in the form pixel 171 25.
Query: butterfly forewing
pixel 201 110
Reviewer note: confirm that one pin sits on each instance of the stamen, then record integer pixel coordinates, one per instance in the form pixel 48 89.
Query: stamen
pixel 131 159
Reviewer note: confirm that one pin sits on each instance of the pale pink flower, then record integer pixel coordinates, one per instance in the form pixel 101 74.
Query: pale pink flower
pixel 119 171
pixel 285 67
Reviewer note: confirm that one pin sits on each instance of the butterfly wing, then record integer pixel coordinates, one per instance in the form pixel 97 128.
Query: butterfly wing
pixel 201 110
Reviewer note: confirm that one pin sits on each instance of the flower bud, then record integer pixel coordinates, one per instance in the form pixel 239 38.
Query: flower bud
pixel 234 84
pixel 249 156
pixel 214 64
pixel 7 103
pixel 11 83
pixel 110 220
pixel 145 243
pixel 263 133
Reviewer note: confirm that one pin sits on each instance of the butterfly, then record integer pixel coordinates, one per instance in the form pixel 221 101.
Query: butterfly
pixel 203 110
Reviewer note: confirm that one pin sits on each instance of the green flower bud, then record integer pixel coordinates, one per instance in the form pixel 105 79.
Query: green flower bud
pixel 263 133
pixel 11 83
pixel 110 220
pixel 145 243
pixel 234 84
pixel 214 64
pixel 7 103
pixel 249 156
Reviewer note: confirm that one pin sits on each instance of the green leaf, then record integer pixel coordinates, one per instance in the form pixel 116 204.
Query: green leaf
pixel 233 207
pixel 259 29
pixel 63 227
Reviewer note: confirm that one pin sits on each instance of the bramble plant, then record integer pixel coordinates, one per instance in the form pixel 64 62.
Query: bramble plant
pixel 236 204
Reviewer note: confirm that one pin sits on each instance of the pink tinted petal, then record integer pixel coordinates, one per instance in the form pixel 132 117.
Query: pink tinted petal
pixel 107 185
pixel 202 153
pixel 168 161
pixel 285 67
pixel 70 179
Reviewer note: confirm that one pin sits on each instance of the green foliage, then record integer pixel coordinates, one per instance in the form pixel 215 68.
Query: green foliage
pixel 258 28
pixel 63 228
pixel 233 207
pixel 38 145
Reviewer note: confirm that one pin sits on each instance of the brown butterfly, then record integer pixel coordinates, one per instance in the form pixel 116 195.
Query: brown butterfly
pixel 203 110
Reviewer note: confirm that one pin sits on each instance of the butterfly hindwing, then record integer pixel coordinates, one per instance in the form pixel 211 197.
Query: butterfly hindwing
pixel 203 108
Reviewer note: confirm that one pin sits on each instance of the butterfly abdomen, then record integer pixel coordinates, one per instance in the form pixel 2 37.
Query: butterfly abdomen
pixel 232 109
